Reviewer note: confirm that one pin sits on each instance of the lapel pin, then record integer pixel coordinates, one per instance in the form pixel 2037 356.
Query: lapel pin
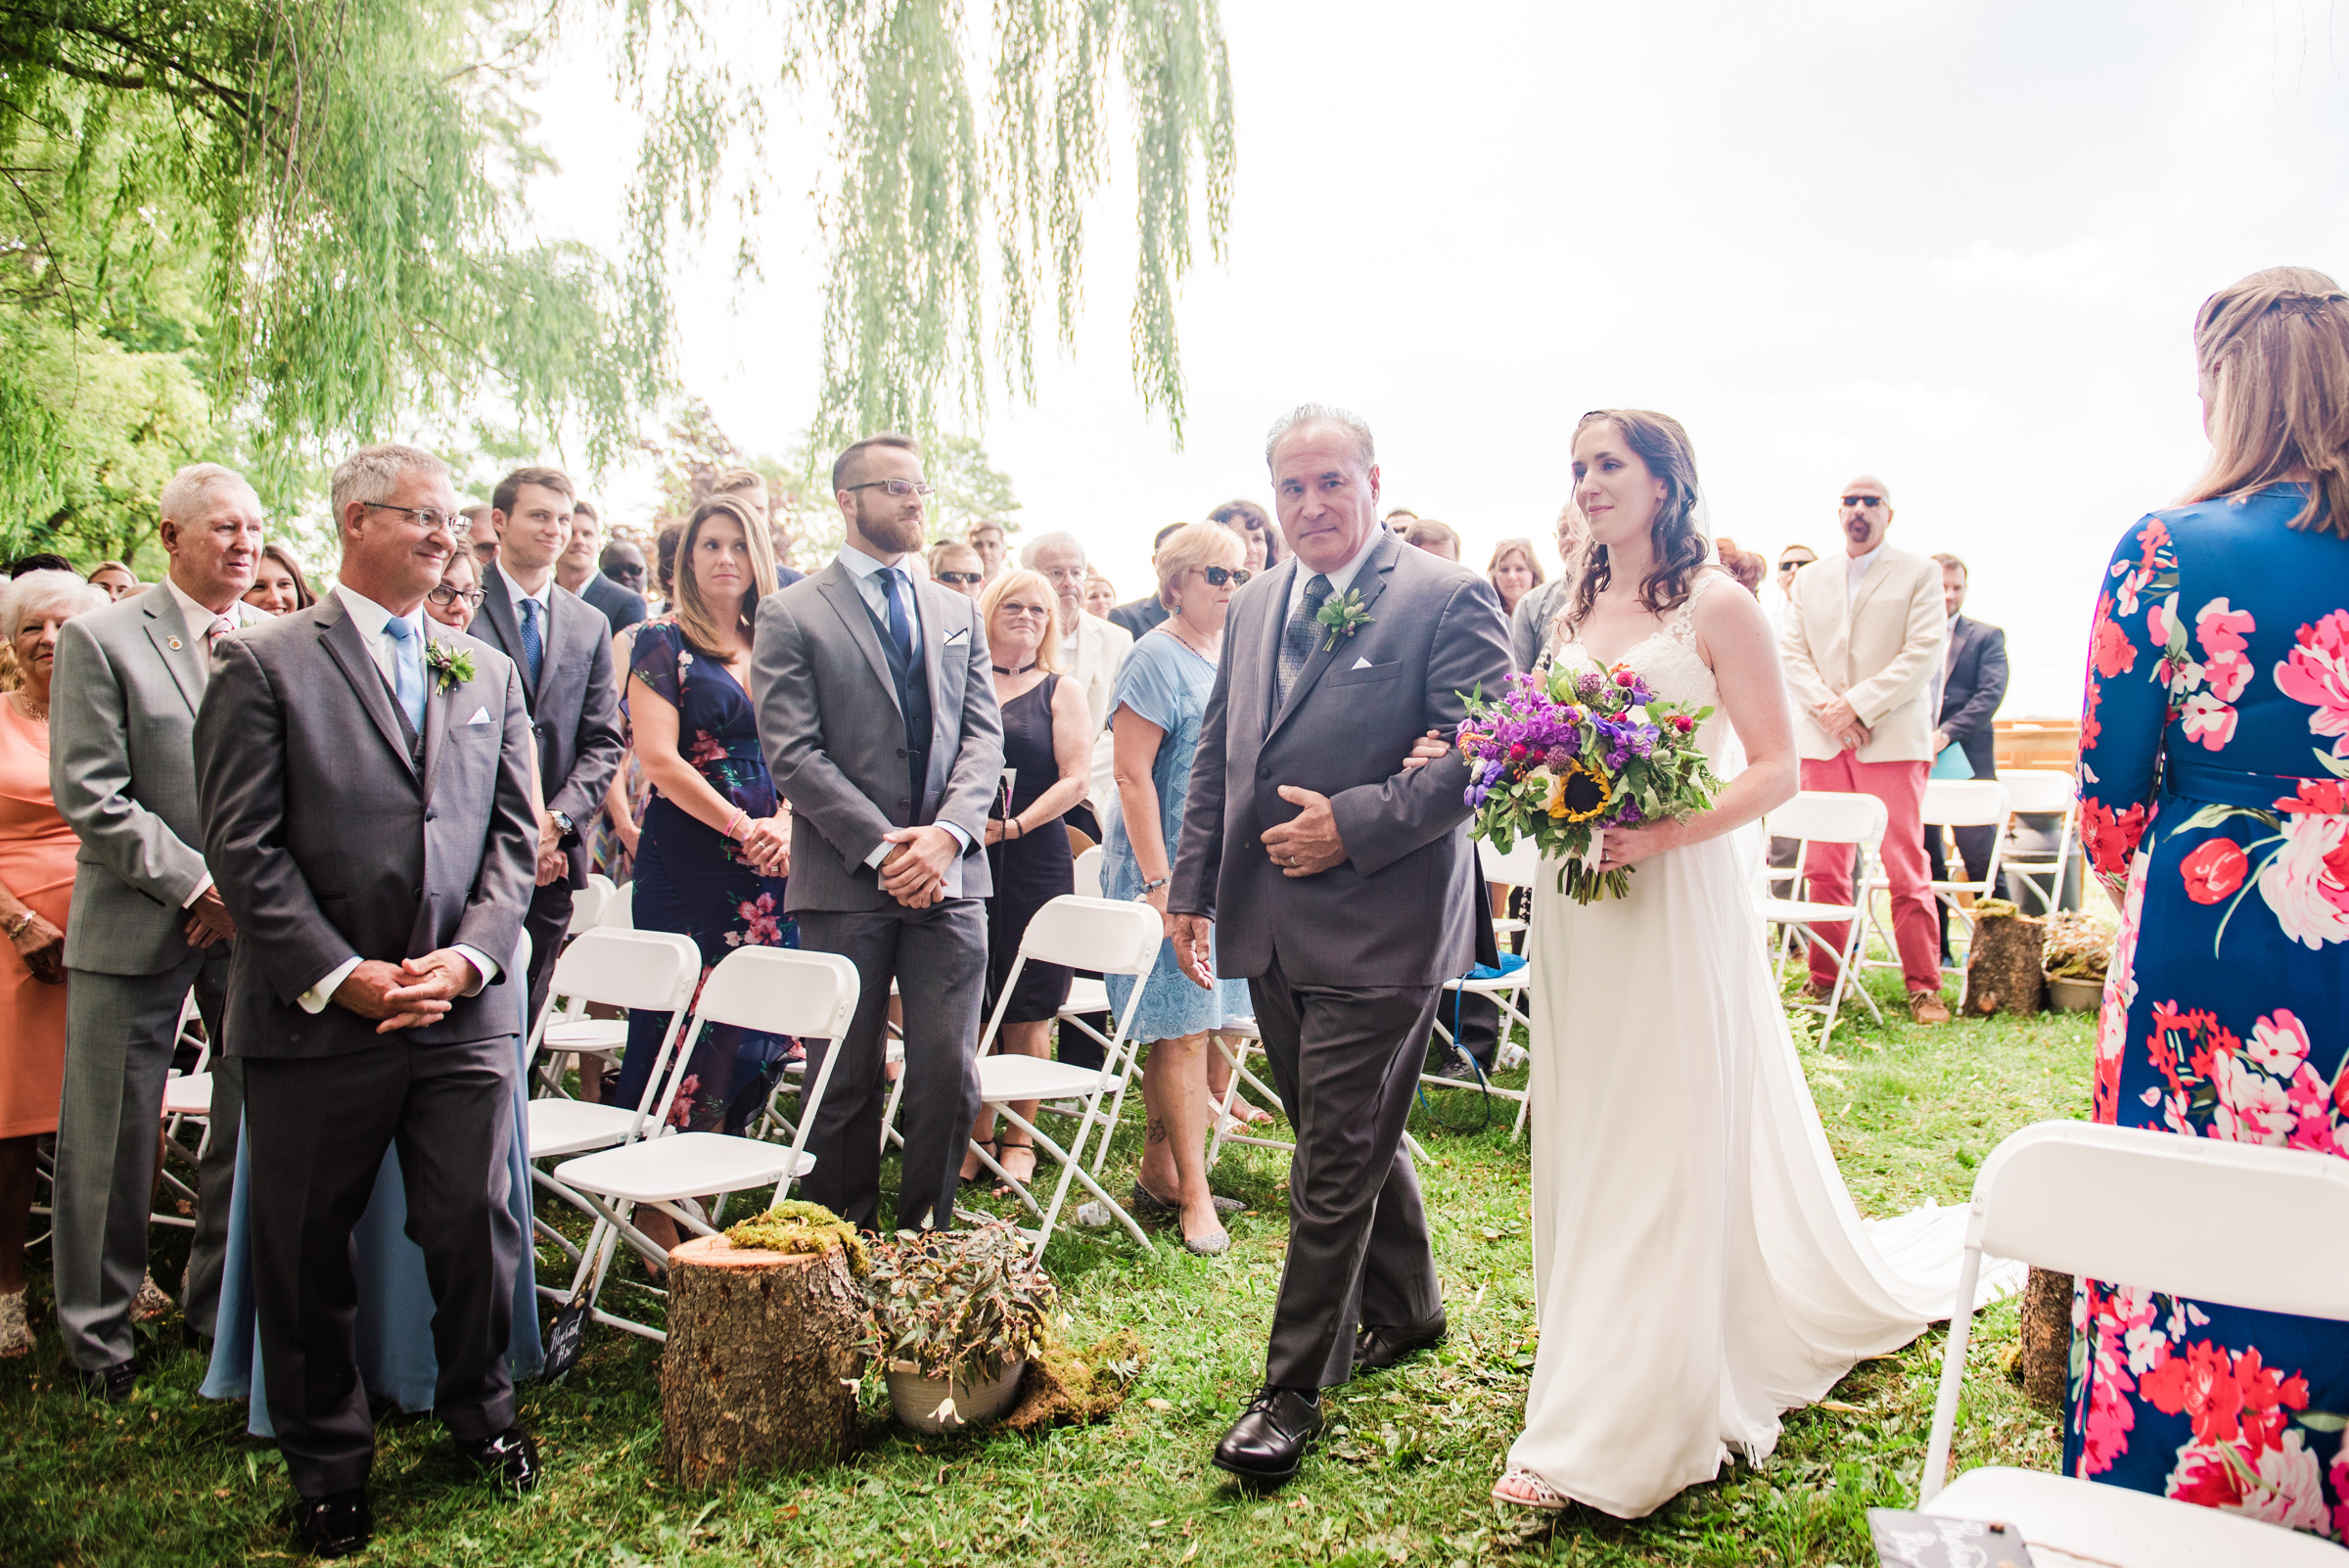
pixel 175 645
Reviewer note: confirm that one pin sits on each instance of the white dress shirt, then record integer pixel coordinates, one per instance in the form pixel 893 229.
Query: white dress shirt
pixel 1339 581
pixel 371 618
pixel 1855 569
pixel 545 597
pixel 867 572
pixel 199 619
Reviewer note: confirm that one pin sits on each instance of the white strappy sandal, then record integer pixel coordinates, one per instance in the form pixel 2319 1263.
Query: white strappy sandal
pixel 1531 1492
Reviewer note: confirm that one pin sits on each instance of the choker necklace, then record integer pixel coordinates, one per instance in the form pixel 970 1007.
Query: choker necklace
pixel 1021 670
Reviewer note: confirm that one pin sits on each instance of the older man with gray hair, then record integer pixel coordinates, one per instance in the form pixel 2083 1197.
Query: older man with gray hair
pixel 148 921
pixel 1091 650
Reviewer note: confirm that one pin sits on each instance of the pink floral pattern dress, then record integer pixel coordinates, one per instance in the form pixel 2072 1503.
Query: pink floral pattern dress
pixel 2214 786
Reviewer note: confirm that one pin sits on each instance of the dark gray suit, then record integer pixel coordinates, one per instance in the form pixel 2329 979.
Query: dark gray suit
pixel 122 769
pixel 622 606
pixel 575 712
pixel 832 719
pixel 337 832
pixel 1344 967
pixel 1973 684
pixel 1139 616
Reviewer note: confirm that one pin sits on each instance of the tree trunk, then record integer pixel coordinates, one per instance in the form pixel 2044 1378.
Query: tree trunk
pixel 761 1368
pixel 2046 1339
pixel 2003 971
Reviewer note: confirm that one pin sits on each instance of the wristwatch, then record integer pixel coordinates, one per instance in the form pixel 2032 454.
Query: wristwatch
pixel 1148 887
pixel 563 822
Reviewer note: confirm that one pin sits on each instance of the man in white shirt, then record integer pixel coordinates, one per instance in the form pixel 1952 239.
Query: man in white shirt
pixel 148 922
pixel 1091 650
pixel 1862 648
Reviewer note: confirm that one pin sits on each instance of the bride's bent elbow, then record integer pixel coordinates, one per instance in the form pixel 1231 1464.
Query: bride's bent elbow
pixel 1785 779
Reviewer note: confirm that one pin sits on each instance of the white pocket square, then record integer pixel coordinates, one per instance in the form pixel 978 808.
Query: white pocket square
pixel 480 715
pixel 958 635
pixel 1361 664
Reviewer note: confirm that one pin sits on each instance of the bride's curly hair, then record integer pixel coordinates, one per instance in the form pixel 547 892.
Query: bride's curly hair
pixel 1681 548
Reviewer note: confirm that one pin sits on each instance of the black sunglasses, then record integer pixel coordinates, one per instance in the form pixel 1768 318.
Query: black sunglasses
pixel 959 577
pixel 1864 500
pixel 1218 575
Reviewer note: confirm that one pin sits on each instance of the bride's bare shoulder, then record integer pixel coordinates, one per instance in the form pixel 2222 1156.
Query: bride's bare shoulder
pixel 1724 615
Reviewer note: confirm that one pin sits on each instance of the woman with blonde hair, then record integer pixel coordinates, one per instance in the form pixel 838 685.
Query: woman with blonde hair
pixel 2214 800
pixel 1514 572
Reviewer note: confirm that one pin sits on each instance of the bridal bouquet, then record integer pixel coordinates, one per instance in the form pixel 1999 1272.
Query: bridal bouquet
pixel 1563 755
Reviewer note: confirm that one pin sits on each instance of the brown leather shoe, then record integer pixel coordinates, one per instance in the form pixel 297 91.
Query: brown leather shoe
pixel 1927 1007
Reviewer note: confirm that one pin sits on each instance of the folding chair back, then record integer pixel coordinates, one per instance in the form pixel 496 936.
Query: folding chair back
pixel 1964 802
pixel 1829 816
pixel 2044 791
pixel 619 910
pixel 1520 867
pixel 588 903
pixel 1116 936
pixel 2039 791
pixel 653 971
pixel 1089 874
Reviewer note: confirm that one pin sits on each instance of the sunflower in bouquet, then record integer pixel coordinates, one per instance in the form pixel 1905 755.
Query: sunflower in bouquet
pixel 1563 755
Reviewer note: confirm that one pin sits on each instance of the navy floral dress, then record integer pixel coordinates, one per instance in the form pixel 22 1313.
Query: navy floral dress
pixel 2214 754
pixel 692 879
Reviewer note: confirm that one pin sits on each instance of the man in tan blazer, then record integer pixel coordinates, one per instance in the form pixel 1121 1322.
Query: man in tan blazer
pixel 1862 643
pixel 1091 650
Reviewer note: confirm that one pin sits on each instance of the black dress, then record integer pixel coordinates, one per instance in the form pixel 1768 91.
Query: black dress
pixel 1031 870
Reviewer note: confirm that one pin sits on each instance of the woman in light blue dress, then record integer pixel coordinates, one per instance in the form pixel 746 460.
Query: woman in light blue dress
pixel 1154 719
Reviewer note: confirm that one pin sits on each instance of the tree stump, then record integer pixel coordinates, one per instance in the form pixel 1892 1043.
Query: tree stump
pixel 2046 1339
pixel 761 1368
pixel 2003 973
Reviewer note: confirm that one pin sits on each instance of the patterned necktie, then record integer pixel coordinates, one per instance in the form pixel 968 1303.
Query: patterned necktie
pixel 407 670
pixel 534 645
pixel 899 628
pixel 1297 638
pixel 220 628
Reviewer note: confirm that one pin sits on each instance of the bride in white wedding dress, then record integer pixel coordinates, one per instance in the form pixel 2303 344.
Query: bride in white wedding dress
pixel 1698 1266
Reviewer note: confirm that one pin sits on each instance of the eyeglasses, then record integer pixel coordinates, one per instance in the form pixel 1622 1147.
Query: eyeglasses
pixel 448 596
pixel 959 577
pixel 1863 501
pixel 892 487
pixel 1015 609
pixel 1791 566
pixel 456 523
pixel 1218 575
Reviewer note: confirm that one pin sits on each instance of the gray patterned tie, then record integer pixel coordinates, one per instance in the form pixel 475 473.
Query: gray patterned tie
pixel 1296 639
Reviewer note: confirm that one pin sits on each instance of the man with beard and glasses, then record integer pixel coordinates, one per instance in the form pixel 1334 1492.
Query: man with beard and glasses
pixel 878 715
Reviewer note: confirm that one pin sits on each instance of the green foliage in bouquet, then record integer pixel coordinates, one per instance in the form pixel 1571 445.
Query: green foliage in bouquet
pixel 956 1303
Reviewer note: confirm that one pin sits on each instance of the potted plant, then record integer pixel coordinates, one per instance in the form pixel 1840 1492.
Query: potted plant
pixel 2079 948
pixel 953 1317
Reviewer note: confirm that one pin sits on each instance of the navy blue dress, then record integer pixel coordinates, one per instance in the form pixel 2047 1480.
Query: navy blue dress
pixel 692 879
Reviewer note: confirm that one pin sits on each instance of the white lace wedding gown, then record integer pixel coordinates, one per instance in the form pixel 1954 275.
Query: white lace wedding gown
pixel 1698 1266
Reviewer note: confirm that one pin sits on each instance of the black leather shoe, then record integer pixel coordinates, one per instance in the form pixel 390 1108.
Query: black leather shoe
pixel 112 1384
pixel 1377 1349
pixel 334 1525
pixel 510 1456
pixel 1267 1444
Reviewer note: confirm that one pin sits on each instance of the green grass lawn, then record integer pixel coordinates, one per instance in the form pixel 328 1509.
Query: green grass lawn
pixel 1401 1477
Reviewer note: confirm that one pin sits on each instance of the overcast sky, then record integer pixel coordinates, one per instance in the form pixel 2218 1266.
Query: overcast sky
pixel 1954 245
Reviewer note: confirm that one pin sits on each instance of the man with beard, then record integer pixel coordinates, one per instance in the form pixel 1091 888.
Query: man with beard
pixel 1863 647
pixel 880 724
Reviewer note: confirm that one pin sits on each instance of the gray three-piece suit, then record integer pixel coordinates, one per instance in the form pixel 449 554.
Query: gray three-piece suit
pixel 336 831
pixel 1344 967
pixel 861 742
pixel 122 769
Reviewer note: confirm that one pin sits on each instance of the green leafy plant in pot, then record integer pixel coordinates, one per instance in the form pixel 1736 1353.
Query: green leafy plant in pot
pixel 954 1317
pixel 2079 950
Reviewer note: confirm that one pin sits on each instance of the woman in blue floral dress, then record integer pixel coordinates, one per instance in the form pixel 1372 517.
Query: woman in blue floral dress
pixel 715 847
pixel 2215 805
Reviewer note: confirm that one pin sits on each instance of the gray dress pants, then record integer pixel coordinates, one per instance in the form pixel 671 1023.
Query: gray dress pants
pixel 1345 1062
pixel 119 1039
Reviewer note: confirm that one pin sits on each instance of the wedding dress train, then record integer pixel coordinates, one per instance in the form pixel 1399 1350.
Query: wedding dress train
pixel 1698 1266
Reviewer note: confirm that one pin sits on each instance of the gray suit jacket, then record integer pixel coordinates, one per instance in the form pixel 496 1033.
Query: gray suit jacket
pixel 622 606
pixel 1399 911
pixel 329 842
pixel 123 768
pixel 575 708
pixel 834 736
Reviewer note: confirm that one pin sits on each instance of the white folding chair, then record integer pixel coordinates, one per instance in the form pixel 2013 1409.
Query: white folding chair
pixel 777 990
pixel 187 1098
pixel 1116 938
pixel 1828 816
pixel 2044 791
pixel 619 910
pixel 2206 1221
pixel 1949 803
pixel 652 970
pixel 1089 874
pixel 567 1035
pixel 1520 867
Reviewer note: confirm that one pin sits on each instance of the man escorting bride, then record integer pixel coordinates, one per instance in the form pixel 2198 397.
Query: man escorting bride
pixel 1698 1266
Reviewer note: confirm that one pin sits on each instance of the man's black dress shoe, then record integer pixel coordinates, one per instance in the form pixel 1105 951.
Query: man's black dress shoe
pixel 112 1384
pixel 1267 1444
pixel 1377 1349
pixel 334 1525
pixel 511 1455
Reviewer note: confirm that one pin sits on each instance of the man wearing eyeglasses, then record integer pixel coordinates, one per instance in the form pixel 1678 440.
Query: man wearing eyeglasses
pixel 1090 649
pixel 562 643
pixel 957 564
pixel 877 713
pixel 1862 648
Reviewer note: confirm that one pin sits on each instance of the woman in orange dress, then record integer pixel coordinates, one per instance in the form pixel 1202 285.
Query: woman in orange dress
pixel 36 878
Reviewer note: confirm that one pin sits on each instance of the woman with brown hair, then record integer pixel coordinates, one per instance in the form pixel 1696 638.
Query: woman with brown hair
pixel 1514 572
pixel 278 583
pixel 2214 790
pixel 714 846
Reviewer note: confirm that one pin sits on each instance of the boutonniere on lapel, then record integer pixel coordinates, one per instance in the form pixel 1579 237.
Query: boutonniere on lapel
pixel 1344 616
pixel 450 665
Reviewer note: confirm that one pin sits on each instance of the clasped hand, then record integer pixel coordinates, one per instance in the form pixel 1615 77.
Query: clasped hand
pixel 915 871
pixel 403 995
pixel 1310 844
pixel 1839 719
pixel 766 845
pixel 209 920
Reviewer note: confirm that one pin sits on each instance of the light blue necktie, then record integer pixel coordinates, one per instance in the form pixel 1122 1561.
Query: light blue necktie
pixel 534 646
pixel 407 670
